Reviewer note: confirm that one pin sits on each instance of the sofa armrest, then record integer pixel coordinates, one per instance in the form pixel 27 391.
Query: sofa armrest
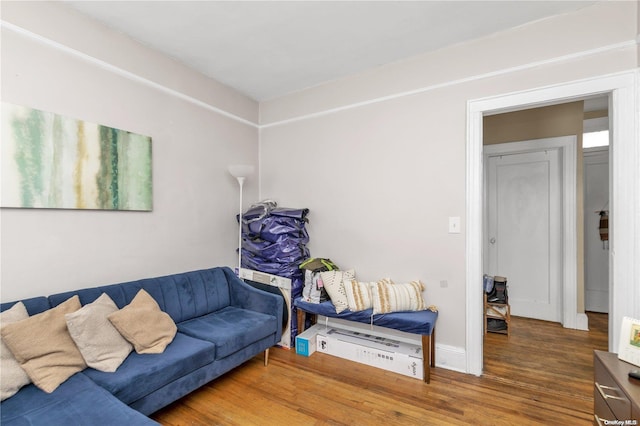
pixel 247 297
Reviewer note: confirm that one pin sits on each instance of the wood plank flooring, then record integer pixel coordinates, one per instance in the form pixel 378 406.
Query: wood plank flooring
pixel 542 374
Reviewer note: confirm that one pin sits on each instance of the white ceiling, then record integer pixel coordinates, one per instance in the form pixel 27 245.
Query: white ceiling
pixel 266 49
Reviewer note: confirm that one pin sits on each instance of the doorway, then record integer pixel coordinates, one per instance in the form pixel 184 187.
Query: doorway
pixel 625 208
pixel 524 187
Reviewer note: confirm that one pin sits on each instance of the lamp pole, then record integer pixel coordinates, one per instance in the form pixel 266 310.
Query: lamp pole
pixel 241 183
pixel 240 172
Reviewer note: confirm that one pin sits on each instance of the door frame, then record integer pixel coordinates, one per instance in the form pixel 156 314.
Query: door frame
pixel 624 272
pixel 567 145
pixel 587 153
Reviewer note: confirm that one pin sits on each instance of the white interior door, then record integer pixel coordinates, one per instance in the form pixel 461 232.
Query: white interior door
pixel 596 253
pixel 524 229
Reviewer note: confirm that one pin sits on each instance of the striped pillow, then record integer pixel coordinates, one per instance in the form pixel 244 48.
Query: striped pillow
pixel 389 297
pixel 358 295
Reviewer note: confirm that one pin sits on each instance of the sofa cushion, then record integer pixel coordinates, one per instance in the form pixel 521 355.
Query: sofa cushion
pixel 144 325
pixel 12 376
pixel 193 294
pixel 43 347
pixel 183 296
pixel 34 305
pixel 100 344
pixel 142 374
pixel 231 329
pixel 73 403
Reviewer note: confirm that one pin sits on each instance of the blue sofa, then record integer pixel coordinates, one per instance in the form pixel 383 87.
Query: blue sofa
pixel 222 322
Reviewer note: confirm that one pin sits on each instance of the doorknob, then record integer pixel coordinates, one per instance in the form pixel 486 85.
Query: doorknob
pixel 492 240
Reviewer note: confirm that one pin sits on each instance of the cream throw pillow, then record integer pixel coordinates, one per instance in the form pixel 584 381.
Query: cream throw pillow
pixel 388 297
pixel 43 347
pixel 333 283
pixel 144 325
pixel 358 295
pixel 100 344
pixel 12 376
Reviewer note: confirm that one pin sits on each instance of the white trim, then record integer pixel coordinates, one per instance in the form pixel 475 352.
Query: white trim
pixel 545 62
pixel 567 145
pixel 582 321
pixel 122 72
pixel 450 357
pixel 134 77
pixel 625 196
pixel 624 190
pixel 595 124
pixel 473 254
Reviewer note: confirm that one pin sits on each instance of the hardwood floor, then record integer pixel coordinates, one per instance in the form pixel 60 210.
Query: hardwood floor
pixel 541 374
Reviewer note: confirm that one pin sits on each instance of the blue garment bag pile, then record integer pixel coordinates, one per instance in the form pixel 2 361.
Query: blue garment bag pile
pixel 274 241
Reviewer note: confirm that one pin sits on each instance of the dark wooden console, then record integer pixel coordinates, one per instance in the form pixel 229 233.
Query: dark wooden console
pixel 616 396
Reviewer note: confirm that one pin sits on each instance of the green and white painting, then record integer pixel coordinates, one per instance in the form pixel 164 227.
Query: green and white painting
pixel 51 161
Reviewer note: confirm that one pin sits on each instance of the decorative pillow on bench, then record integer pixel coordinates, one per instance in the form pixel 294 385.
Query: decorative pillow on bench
pixel 358 295
pixel 333 283
pixel 389 297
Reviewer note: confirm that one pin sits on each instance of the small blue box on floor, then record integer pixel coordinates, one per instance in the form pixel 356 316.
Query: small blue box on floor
pixel 306 341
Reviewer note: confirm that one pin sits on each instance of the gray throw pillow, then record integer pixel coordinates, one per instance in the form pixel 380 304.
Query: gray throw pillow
pixel 12 376
pixel 100 344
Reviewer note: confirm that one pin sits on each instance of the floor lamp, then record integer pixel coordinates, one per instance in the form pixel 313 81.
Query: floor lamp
pixel 240 172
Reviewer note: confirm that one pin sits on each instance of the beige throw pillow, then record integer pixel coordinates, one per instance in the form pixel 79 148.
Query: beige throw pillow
pixel 333 283
pixel 100 344
pixel 144 325
pixel 358 295
pixel 12 376
pixel 389 297
pixel 43 347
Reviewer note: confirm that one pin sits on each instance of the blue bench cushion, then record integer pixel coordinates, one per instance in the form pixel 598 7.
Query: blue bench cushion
pixel 140 375
pixel 74 402
pixel 231 329
pixel 416 322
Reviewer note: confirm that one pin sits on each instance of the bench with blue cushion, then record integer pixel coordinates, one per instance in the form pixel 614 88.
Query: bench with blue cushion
pixel 414 322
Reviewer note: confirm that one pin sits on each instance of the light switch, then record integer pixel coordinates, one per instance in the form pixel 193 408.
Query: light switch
pixel 454 224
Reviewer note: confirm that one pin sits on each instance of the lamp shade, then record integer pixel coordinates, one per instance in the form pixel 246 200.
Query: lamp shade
pixel 241 170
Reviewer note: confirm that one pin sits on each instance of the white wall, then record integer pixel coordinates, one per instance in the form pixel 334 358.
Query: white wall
pixel 56 60
pixel 379 157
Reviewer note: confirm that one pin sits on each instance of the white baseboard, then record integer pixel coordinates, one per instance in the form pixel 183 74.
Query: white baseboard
pixel 451 358
pixel 582 322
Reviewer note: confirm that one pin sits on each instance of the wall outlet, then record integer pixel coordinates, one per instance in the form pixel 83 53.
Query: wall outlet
pixel 444 284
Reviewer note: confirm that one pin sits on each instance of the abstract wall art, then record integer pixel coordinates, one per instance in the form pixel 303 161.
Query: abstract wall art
pixel 51 161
